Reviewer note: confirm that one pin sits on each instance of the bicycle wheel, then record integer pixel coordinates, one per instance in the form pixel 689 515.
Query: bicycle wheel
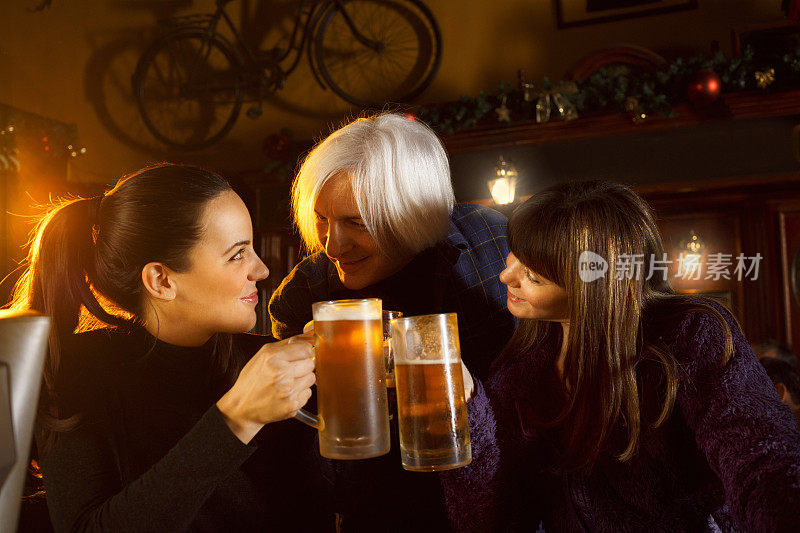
pixel 189 88
pixel 398 69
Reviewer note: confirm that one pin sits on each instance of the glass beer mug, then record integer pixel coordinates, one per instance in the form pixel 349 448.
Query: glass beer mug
pixel 353 418
pixel 388 350
pixel 432 411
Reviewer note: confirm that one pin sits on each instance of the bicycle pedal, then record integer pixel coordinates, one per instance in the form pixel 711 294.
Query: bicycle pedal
pixel 254 112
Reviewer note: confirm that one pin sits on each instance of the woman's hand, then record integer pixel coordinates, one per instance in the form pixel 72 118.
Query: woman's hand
pixel 469 385
pixel 272 386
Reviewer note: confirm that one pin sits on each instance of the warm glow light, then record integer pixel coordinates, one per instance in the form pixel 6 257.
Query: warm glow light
pixel 692 244
pixel 503 190
pixel 689 265
pixel 504 185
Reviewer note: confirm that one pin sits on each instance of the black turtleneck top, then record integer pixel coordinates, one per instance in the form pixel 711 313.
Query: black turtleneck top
pixel 153 453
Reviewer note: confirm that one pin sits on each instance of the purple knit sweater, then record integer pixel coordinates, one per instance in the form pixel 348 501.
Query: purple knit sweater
pixel 728 458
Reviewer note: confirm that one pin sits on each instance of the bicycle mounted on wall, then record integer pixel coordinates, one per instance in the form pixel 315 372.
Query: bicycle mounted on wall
pixel 191 82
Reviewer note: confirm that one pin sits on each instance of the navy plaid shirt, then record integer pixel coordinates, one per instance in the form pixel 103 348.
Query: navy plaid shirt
pixel 459 274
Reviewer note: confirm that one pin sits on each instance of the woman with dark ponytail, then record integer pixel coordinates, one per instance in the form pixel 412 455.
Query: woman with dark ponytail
pixel 154 399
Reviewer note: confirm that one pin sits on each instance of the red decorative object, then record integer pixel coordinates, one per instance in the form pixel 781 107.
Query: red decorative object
pixel 276 146
pixel 704 88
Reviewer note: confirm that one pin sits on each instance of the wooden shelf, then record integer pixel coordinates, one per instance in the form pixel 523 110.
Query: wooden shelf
pixel 733 106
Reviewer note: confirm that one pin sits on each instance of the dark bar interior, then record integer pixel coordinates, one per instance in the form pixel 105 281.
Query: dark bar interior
pixel 605 194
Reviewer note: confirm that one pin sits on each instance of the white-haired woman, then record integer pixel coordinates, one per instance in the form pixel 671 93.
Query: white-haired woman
pixel 374 205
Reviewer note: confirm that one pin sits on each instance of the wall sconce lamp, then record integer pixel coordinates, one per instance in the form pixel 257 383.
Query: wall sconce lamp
pixel 692 243
pixel 691 249
pixel 503 185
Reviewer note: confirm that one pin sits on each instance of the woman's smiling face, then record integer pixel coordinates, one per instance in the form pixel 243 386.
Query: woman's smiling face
pixel 218 293
pixel 531 295
pixel 341 230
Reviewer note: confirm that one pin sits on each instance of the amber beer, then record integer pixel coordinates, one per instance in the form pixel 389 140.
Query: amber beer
pixel 434 433
pixel 351 379
pixel 432 412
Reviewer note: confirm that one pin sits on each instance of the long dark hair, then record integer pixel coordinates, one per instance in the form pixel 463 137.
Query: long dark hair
pixel 86 257
pixel 606 335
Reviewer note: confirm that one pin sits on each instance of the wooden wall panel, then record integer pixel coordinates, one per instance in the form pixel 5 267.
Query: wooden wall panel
pixel 760 214
pixel 790 254
pixel 719 233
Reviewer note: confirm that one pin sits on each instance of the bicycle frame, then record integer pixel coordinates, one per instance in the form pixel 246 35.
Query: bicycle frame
pixel 312 9
pixel 195 59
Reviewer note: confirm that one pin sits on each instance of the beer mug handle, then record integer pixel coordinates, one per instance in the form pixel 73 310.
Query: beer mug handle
pixel 302 415
pixel 309 419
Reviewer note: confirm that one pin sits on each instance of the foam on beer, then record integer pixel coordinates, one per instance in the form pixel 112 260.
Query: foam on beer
pixel 329 313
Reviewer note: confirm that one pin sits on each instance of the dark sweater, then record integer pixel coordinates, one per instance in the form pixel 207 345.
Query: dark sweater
pixel 153 453
pixel 728 458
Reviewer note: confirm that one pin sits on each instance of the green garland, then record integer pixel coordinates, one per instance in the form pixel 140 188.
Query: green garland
pixel 613 89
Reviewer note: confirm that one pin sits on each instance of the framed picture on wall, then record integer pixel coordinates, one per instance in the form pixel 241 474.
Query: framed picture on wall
pixel 571 13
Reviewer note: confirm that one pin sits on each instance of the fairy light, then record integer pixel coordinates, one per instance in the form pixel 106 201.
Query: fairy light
pixel 47 145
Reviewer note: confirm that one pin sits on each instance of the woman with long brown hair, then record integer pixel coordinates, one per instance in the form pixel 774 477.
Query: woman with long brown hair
pixel 619 405
pixel 153 421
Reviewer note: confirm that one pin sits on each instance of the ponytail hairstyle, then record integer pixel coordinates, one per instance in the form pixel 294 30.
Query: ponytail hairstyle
pixel 86 255
pixel 548 234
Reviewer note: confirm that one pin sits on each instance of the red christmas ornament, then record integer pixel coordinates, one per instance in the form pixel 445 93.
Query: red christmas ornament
pixel 276 146
pixel 704 88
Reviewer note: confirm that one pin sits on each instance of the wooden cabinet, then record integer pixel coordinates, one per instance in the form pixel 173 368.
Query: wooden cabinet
pixel 753 217
pixel 718 268
pixel 279 248
pixel 788 213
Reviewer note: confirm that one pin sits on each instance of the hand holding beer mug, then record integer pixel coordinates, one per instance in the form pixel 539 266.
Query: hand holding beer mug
pixel 432 411
pixel 353 419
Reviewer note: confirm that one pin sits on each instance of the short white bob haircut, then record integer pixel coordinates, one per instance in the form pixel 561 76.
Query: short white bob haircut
pixel 400 176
